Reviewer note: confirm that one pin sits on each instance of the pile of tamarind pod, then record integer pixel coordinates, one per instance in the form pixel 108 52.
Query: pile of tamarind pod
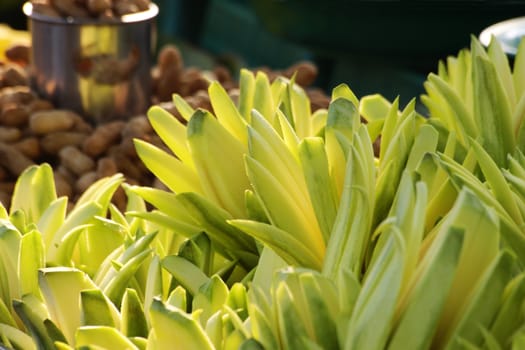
pixel 33 130
pixel 106 10
pixel 170 76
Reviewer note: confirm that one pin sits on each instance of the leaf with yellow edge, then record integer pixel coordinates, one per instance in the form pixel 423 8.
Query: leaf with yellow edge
pixel 342 90
pixel 173 328
pixel 176 175
pixel 283 210
pixel 104 337
pixel 492 110
pixel 292 249
pixel 343 118
pixel 482 305
pixel 370 323
pixel 509 317
pixel 210 298
pixel 464 121
pixel 374 109
pixel 499 186
pixel 480 248
pixel 101 191
pixel 226 112
pixel 501 63
pixel 133 322
pixel 15 337
pixel 300 108
pixel 52 219
pixel 246 93
pixel 321 189
pixel 61 289
pixel 262 97
pixel 34 191
pixel 171 131
pixel 218 158
pixel 31 259
pixel 519 70
pixel 269 149
pixel 184 108
pixel 421 306
pixel 60 249
pixel 97 309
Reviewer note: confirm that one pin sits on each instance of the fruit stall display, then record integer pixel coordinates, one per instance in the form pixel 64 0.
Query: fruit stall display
pixel 270 220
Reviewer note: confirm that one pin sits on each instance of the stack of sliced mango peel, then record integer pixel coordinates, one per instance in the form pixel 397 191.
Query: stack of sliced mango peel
pixel 280 228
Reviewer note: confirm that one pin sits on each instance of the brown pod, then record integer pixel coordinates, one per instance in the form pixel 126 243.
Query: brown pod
pixel 16 94
pixel 5 199
pixel 44 122
pixel 81 125
pixel 229 85
pixel 53 142
pixel 222 74
pixel 127 147
pixel 154 76
pixel 45 9
pixel 168 84
pixel 108 16
pixel 120 199
pixel 137 127
pixel 133 182
pixel 39 104
pixel 142 5
pixel 7 186
pixel 14 114
pixel 4 175
pixel 199 101
pixel 70 8
pixel 170 107
pixel 97 7
pixel 157 141
pixel 13 160
pixel 18 53
pixel 14 75
pixel 125 165
pixel 106 166
pixel 9 134
pixel 192 81
pixel 65 173
pixel 29 146
pixel 124 7
pixel 318 99
pixel 86 180
pixel 75 160
pixel 169 57
pixel 102 138
pixel 62 186
pixel 305 72
pixel 202 100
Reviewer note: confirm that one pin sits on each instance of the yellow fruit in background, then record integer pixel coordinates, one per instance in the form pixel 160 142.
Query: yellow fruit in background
pixel 10 36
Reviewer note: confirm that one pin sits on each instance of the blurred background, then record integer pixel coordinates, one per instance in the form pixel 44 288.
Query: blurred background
pixel 375 46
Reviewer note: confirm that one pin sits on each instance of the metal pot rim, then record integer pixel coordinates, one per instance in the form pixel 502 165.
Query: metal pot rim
pixel 142 16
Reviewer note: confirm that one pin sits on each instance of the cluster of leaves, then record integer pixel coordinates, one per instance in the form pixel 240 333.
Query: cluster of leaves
pixel 281 229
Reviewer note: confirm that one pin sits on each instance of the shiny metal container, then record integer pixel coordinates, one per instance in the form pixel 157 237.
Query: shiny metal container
pixel 99 69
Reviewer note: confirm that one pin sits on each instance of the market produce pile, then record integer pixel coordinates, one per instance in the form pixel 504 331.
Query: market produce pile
pixel 280 228
pixel 105 10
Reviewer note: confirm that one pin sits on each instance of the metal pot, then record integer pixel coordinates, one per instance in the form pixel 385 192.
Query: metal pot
pixel 101 69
